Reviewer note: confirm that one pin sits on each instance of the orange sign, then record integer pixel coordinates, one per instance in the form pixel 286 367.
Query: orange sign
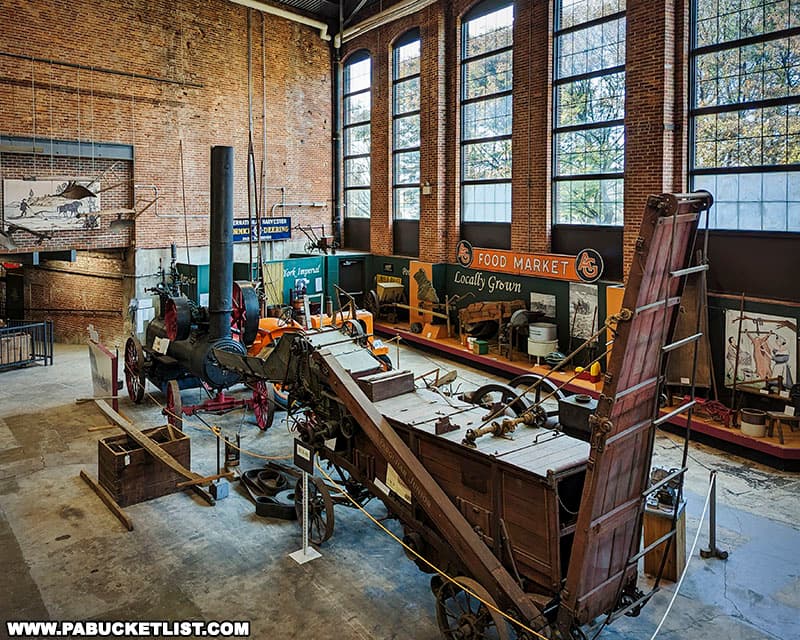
pixel 587 266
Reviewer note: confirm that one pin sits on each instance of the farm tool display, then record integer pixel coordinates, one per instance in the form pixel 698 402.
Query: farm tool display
pixel 179 346
pixel 529 530
pixel 321 242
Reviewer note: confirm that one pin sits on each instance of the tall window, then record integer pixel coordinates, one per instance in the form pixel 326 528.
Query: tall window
pixel 357 109
pixel 405 126
pixel 589 111
pixel 486 84
pixel 745 120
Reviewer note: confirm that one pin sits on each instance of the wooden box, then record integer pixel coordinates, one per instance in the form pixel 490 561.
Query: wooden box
pixel 386 384
pixel 16 348
pixel 130 474
pixel 657 522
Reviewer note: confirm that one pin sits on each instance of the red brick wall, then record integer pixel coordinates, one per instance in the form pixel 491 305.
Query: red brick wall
pixel 192 41
pixel 188 40
pixel 655 119
pixel 76 294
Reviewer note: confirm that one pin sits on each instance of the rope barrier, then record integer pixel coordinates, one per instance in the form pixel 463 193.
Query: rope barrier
pixel 427 562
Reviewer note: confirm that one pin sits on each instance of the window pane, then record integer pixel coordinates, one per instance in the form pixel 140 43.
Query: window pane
pixel 486 202
pixel 590 151
pixel 357 140
pixel 357 202
pixel 357 76
pixel 592 100
pixel 406 203
pixel 357 108
pixel 488 75
pixel 768 201
pixel 486 160
pixel 589 202
pixel 579 11
pixel 406 168
pixel 407 60
pixel 489 32
pixel 406 96
pixel 356 171
pixel 487 118
pixel 591 49
pixel 758 71
pixel 406 132
pixel 724 21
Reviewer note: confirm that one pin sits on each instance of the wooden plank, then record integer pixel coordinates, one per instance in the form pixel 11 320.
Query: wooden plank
pixel 217 476
pixel 108 501
pixel 148 444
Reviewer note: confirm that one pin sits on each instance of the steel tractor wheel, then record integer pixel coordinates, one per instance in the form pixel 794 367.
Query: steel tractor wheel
pixel 495 395
pixel 320 509
pixel 174 408
pixel 462 614
pixel 135 379
pixel 263 403
pixel 244 312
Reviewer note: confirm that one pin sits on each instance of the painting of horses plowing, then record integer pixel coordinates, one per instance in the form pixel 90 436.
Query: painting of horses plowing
pixel 41 205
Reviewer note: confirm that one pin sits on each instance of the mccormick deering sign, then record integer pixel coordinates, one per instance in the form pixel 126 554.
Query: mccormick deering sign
pixel 587 266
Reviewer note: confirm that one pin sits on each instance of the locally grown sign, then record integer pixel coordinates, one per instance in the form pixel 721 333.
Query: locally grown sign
pixel 587 266
pixel 271 229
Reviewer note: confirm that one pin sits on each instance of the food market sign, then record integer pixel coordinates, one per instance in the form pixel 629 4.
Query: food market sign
pixel 587 266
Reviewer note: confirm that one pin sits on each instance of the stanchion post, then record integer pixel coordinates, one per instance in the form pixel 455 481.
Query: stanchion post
pixel 304 459
pixel 713 551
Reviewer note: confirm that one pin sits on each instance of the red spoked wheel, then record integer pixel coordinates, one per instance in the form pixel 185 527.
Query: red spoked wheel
pixel 174 408
pixel 245 312
pixel 263 404
pixel 177 318
pixel 134 369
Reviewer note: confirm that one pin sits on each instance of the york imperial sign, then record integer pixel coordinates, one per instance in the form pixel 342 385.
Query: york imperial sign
pixel 587 266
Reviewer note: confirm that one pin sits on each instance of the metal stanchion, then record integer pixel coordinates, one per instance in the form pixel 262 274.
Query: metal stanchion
pixel 304 458
pixel 712 551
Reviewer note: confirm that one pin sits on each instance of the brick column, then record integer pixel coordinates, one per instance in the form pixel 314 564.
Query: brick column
pixel 530 186
pixel 650 118
pixel 381 211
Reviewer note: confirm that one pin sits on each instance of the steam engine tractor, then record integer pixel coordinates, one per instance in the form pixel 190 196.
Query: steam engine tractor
pixel 178 352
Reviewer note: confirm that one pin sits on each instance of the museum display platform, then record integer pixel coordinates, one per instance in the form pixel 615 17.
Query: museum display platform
pixel 767 449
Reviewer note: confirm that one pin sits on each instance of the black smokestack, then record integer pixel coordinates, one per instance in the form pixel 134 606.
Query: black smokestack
pixel 220 286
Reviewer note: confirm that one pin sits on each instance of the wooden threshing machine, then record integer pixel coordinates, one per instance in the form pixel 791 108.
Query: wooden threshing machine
pixel 532 533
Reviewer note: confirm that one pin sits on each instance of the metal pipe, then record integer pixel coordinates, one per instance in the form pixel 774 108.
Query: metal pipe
pixel 336 151
pixel 288 15
pixel 84 67
pixel 395 12
pixel 220 286
pixel 283 205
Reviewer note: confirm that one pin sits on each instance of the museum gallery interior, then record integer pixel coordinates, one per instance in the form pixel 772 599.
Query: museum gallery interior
pixel 426 319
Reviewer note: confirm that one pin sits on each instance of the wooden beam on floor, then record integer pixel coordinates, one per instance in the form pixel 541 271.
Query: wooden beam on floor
pixel 108 501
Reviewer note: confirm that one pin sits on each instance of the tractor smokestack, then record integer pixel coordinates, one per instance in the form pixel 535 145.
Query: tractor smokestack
pixel 220 286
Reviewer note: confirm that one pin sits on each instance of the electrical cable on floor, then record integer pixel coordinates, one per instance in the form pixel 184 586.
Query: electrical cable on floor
pixel 691 555
pixel 427 562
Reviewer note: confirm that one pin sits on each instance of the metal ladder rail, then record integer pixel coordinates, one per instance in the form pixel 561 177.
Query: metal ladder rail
pixel 657 420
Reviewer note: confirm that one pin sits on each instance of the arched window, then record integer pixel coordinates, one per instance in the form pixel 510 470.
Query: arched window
pixel 745 112
pixel 486 85
pixel 357 135
pixel 589 112
pixel 406 126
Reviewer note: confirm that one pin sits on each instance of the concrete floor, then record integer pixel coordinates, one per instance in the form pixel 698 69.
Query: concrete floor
pixel 66 557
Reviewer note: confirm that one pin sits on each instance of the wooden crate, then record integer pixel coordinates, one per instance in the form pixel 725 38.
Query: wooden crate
pixel 130 474
pixel 386 384
pixel 657 522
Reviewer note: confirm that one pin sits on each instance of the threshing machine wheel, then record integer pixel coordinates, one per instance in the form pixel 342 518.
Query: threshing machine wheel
pixel 373 303
pixel 544 389
pixel 245 312
pixel 320 509
pixel 135 379
pixel 174 408
pixel 496 394
pixel 263 404
pixel 463 616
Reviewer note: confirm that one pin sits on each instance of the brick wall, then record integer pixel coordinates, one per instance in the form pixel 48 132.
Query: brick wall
pixel 203 46
pixel 655 119
pixel 76 294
